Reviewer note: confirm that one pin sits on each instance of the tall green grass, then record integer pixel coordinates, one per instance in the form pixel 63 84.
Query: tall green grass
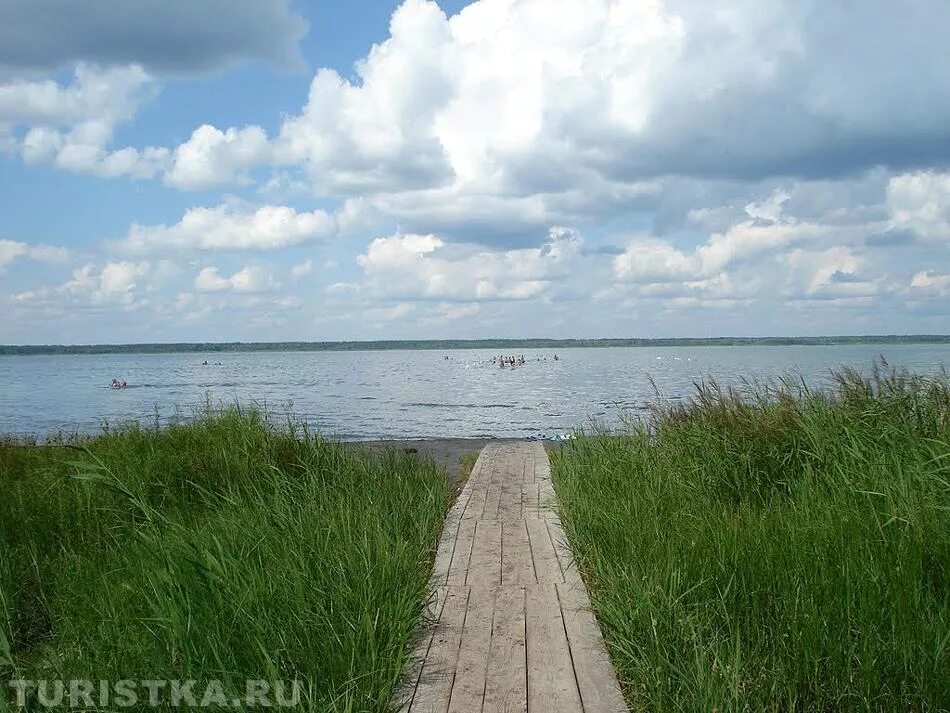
pixel 773 549
pixel 224 549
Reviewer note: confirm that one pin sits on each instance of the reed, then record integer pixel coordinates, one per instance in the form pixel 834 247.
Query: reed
pixel 228 548
pixel 773 548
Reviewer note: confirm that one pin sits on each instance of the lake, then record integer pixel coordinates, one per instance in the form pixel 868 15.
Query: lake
pixel 405 394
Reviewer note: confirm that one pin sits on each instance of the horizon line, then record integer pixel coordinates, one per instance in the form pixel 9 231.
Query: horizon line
pixel 487 342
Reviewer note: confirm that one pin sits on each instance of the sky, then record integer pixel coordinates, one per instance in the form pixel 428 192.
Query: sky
pixel 265 170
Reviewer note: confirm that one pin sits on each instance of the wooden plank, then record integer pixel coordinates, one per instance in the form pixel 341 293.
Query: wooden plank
pixel 517 566
pixel 492 501
pixel 532 494
pixel 444 553
pixel 596 679
pixel 422 641
pixel 505 687
pixel 546 567
pixel 542 466
pixel 510 507
pixel 551 684
pixel 484 570
pixel 476 503
pixel 438 670
pixel 462 555
pixel 513 628
pixel 468 691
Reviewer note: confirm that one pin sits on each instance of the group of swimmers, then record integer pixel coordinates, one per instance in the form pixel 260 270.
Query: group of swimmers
pixel 116 384
pixel 503 361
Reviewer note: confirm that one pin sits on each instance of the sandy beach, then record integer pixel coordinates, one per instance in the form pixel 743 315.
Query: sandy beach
pixel 447 452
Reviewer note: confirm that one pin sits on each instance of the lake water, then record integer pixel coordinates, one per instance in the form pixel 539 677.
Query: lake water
pixel 404 394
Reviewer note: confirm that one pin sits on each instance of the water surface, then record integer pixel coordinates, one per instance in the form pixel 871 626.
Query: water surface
pixel 404 394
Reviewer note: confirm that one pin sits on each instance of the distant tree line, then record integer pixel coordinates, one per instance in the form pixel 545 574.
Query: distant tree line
pixel 448 344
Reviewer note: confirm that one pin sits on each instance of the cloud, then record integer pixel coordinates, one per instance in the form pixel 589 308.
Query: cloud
pixel 388 314
pixel 213 158
pixel 932 283
pixel 495 123
pixel 250 279
pixel 226 227
pixel 765 230
pixel 449 310
pixel 71 125
pixel 302 269
pixel 920 202
pixel 11 250
pixel 198 36
pixel 114 284
pixel 425 267
pixel 93 93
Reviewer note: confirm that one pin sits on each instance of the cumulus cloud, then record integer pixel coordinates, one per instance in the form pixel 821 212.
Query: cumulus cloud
pixel 729 157
pixel 226 227
pixel 505 106
pixel 212 157
pixel 11 250
pixel 250 279
pixel 115 283
pixel 170 38
pixel 424 267
pixel 920 202
pixel 71 125
pixel 931 283
pixel 765 231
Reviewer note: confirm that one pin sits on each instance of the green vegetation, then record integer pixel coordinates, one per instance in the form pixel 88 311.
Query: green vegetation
pixel 774 550
pixel 448 344
pixel 466 465
pixel 225 549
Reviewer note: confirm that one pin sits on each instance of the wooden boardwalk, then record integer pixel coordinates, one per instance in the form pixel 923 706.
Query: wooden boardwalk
pixel 509 627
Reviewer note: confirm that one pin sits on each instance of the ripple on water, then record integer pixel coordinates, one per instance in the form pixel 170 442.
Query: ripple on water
pixel 405 393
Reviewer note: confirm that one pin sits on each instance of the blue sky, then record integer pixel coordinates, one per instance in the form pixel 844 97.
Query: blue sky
pixel 306 171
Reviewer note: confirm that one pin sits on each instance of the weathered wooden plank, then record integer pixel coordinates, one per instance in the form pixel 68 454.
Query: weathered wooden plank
pixel 546 567
pixel 468 691
pixel 505 688
pixel 438 669
pixel 462 555
pixel 492 501
pixel 444 553
pixel 596 679
pixel 510 506
pixel 531 499
pixel 514 629
pixel 542 466
pixel 517 566
pixel 476 503
pixel 422 640
pixel 484 570
pixel 551 684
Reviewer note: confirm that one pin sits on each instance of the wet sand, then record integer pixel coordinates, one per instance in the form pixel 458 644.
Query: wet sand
pixel 445 451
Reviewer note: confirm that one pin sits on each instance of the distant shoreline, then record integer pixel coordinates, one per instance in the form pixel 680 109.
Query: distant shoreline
pixel 454 344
